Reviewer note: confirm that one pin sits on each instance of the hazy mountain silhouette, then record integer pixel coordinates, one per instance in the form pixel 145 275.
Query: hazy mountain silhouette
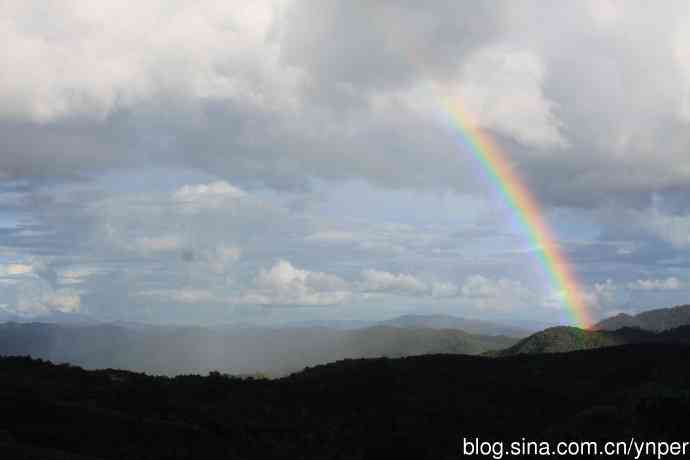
pixel 5 317
pixel 473 326
pixel 171 350
pixel 652 320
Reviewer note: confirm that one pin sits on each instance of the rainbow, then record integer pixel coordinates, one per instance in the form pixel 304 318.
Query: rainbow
pixel 527 211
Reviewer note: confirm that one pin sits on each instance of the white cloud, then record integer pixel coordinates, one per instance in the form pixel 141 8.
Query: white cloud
pixel 284 284
pixel 674 229
pixel 31 296
pixel 281 285
pixel 64 301
pixel 399 283
pixel 133 56
pixel 211 195
pixel 669 284
pixel 223 257
pixel 26 267
pixel 15 269
pixel 496 294
pixel 77 274
pixel 158 244
pixel 444 289
pixel 331 236
pixel 501 87
pixel 25 288
pixel 682 55
pixel 185 296
pixel 602 295
pixel 403 284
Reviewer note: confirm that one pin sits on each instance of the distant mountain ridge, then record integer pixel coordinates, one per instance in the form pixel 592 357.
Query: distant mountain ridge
pixel 54 317
pixel 473 326
pixel 653 320
pixel 6 316
pixel 435 321
pixel 563 339
pixel 171 350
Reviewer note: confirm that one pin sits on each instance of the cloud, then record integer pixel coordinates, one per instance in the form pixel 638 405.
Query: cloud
pixel 210 195
pixel 400 283
pixel 184 296
pixel 189 145
pixel 443 289
pixel 668 284
pixel 357 48
pixel 31 295
pixel 158 244
pixel 610 297
pixel 15 269
pixel 222 257
pixel 502 88
pixel 674 229
pixel 77 275
pixel 496 294
pixel 284 284
pixel 128 64
pixel 64 301
pixel 331 237
pixel 26 267
pixel 603 295
pixel 663 222
pixel 296 95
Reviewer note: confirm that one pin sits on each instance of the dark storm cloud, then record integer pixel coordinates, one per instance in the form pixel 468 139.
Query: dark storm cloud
pixel 293 91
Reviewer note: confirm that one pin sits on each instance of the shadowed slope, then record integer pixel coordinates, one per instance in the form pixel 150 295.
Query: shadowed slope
pixel 564 339
pixel 416 407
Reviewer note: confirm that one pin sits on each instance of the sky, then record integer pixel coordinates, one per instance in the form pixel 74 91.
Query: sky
pixel 285 160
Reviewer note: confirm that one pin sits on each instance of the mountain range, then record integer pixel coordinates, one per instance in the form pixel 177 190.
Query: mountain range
pixel 275 351
pixel 566 339
pixel 171 350
pixel 651 320
pixel 417 395
pixel 664 325
pixel 473 326
pixel 436 321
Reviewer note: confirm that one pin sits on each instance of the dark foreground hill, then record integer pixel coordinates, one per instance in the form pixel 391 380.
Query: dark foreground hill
pixel 652 320
pixel 248 350
pixel 564 339
pixel 416 407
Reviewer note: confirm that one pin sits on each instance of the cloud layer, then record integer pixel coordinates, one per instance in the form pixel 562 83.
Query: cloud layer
pixel 298 153
pixel 280 90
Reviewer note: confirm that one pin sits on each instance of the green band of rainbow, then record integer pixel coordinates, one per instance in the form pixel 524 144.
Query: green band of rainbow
pixel 527 210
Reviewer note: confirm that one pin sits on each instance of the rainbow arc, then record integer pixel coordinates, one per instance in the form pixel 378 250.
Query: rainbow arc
pixel 527 211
